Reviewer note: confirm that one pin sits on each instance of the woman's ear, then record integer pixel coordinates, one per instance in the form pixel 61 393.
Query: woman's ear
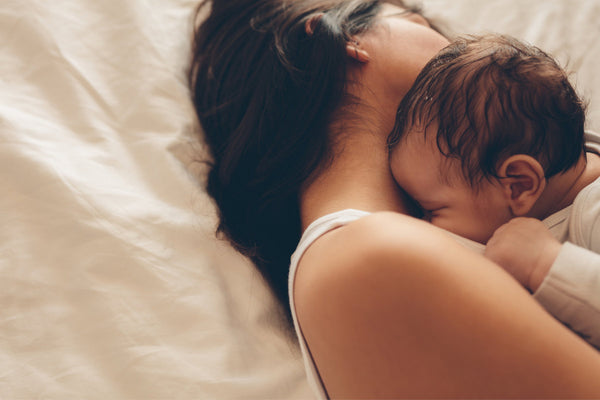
pixel 353 50
pixel 523 181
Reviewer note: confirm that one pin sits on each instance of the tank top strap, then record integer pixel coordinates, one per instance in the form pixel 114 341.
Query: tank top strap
pixel 323 225
pixel 314 231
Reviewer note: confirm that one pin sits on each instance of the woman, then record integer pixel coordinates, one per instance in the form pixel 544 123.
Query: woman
pixel 296 99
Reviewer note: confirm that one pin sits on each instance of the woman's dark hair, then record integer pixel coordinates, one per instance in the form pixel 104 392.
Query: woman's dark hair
pixel 264 90
pixel 492 97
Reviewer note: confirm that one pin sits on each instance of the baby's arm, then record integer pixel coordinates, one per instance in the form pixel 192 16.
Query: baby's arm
pixel 526 249
pixel 565 278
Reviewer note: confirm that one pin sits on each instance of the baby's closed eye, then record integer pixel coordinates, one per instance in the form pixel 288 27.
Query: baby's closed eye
pixel 430 213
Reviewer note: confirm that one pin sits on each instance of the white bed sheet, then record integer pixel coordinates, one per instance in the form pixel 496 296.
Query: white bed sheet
pixel 113 285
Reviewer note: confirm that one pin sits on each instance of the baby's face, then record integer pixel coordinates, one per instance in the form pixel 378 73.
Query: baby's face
pixel 447 200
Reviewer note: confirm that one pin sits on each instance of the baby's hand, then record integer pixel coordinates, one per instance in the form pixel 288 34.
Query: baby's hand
pixel 525 248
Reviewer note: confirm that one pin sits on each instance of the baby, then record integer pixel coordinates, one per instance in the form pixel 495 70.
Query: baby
pixel 490 143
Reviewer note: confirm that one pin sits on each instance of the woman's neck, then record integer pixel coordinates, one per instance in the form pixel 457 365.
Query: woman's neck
pixel 358 177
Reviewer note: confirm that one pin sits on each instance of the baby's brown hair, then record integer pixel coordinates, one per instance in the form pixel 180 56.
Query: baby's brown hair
pixel 492 97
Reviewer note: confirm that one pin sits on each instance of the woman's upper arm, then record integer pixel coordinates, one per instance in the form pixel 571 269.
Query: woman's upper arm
pixel 391 307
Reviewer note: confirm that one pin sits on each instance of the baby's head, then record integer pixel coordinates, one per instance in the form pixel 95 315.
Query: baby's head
pixel 488 122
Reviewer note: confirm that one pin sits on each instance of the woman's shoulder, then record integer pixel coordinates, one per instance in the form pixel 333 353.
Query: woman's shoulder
pixel 366 255
pixel 373 237
pixel 359 286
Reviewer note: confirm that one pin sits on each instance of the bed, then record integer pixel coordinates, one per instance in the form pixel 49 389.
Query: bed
pixel 113 283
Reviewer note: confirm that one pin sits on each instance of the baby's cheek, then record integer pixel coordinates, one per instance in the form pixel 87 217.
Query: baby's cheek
pixel 443 222
pixel 465 228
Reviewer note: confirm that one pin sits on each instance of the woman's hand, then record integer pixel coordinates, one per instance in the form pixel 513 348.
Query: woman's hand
pixel 526 249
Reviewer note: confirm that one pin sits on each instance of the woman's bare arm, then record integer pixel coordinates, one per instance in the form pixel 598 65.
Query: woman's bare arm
pixel 394 308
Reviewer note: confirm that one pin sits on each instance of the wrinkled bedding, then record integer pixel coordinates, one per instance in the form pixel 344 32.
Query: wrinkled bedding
pixel 113 283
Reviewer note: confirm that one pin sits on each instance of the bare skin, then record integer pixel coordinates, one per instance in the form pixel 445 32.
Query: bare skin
pixel 392 307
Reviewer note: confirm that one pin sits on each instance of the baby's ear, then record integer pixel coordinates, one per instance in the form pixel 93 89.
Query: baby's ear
pixel 523 180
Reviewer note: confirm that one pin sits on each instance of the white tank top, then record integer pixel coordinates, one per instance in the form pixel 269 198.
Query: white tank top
pixel 314 231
